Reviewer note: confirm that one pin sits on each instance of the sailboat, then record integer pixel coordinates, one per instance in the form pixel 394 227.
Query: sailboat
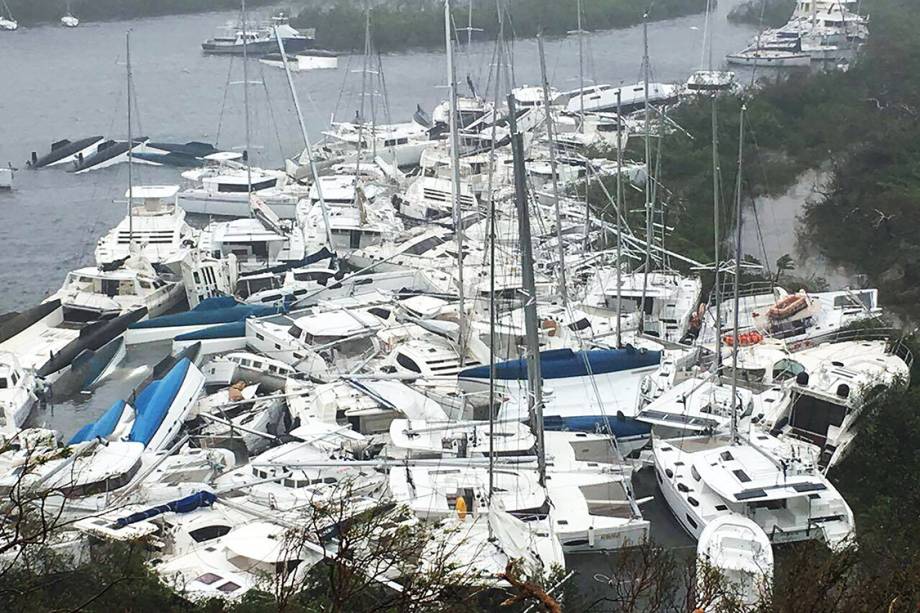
pixel 776 484
pixel 7 22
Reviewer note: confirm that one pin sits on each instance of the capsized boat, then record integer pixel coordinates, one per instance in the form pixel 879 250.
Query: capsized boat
pixel 65 151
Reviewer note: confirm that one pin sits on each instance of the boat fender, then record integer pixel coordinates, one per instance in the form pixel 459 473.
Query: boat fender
pixel 802 378
pixel 461 508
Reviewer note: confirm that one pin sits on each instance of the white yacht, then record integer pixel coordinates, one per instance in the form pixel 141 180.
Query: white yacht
pixel 222 186
pixel 734 562
pixel 597 98
pixel 800 320
pixel 824 389
pixel 357 217
pixel 400 144
pixel 256 243
pixel 156 225
pixel 431 198
pixel 670 300
pixel 17 394
pixel 92 294
pixel 776 484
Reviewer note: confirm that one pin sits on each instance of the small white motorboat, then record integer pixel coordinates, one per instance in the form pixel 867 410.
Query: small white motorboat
pixel 734 560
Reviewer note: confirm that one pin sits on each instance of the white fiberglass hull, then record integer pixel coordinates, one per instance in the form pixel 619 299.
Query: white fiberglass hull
pixel 231 204
pixel 778 60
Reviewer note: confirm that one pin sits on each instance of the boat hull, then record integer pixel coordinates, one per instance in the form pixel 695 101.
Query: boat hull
pixel 231 205
pixel 262 47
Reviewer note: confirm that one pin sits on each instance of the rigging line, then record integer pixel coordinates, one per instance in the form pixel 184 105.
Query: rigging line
pixel 763 246
pixel 223 104
pixel 381 77
pixel 271 111
pixel 338 100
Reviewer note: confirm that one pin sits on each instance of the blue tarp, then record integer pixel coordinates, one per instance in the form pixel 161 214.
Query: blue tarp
pixel 564 363
pixel 620 427
pixel 226 311
pixel 183 505
pixel 102 427
pixel 235 329
pixel 153 403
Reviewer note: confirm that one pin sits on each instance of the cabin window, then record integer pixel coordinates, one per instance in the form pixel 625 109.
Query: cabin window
pixel 229 587
pixel 690 520
pixel 741 475
pixel 407 362
pixel 787 369
pixel 145 284
pixel 581 324
pixel 272 298
pixel 295 331
pixel 208 533
pixel 693 501
pixel 380 312
pixel 3 384
pixel 424 245
pixel 208 578
pixel 694 473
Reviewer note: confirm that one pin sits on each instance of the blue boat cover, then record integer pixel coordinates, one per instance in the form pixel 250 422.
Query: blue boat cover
pixel 211 315
pixel 183 505
pixel 564 363
pixel 102 427
pixel 620 427
pixel 153 403
pixel 234 329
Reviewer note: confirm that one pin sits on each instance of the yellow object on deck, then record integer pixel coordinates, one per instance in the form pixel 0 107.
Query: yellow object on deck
pixel 461 507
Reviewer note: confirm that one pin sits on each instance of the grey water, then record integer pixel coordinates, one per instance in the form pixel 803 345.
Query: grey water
pixel 70 83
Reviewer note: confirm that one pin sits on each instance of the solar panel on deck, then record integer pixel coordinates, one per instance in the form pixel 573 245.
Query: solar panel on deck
pixel 808 487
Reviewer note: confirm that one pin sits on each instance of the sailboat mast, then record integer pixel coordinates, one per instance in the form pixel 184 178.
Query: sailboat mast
pixel 246 98
pixel 551 136
pixel 306 141
pixel 619 214
pixel 736 302
pixel 130 145
pixel 492 301
pixel 455 174
pixel 581 69
pixel 648 176
pixel 716 214
pixel 367 52
pixel 534 374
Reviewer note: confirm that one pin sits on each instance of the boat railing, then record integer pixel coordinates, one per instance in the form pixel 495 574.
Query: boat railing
pixel 892 336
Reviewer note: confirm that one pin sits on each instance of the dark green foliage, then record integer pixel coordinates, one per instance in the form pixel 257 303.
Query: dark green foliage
pixel 38 11
pixel 420 23
pixel 768 13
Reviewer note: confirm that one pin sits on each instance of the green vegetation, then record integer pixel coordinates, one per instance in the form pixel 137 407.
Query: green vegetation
pixel 858 126
pixel 769 13
pixel 420 23
pixel 41 11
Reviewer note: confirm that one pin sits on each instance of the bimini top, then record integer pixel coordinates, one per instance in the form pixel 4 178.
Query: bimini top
pixel 564 363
